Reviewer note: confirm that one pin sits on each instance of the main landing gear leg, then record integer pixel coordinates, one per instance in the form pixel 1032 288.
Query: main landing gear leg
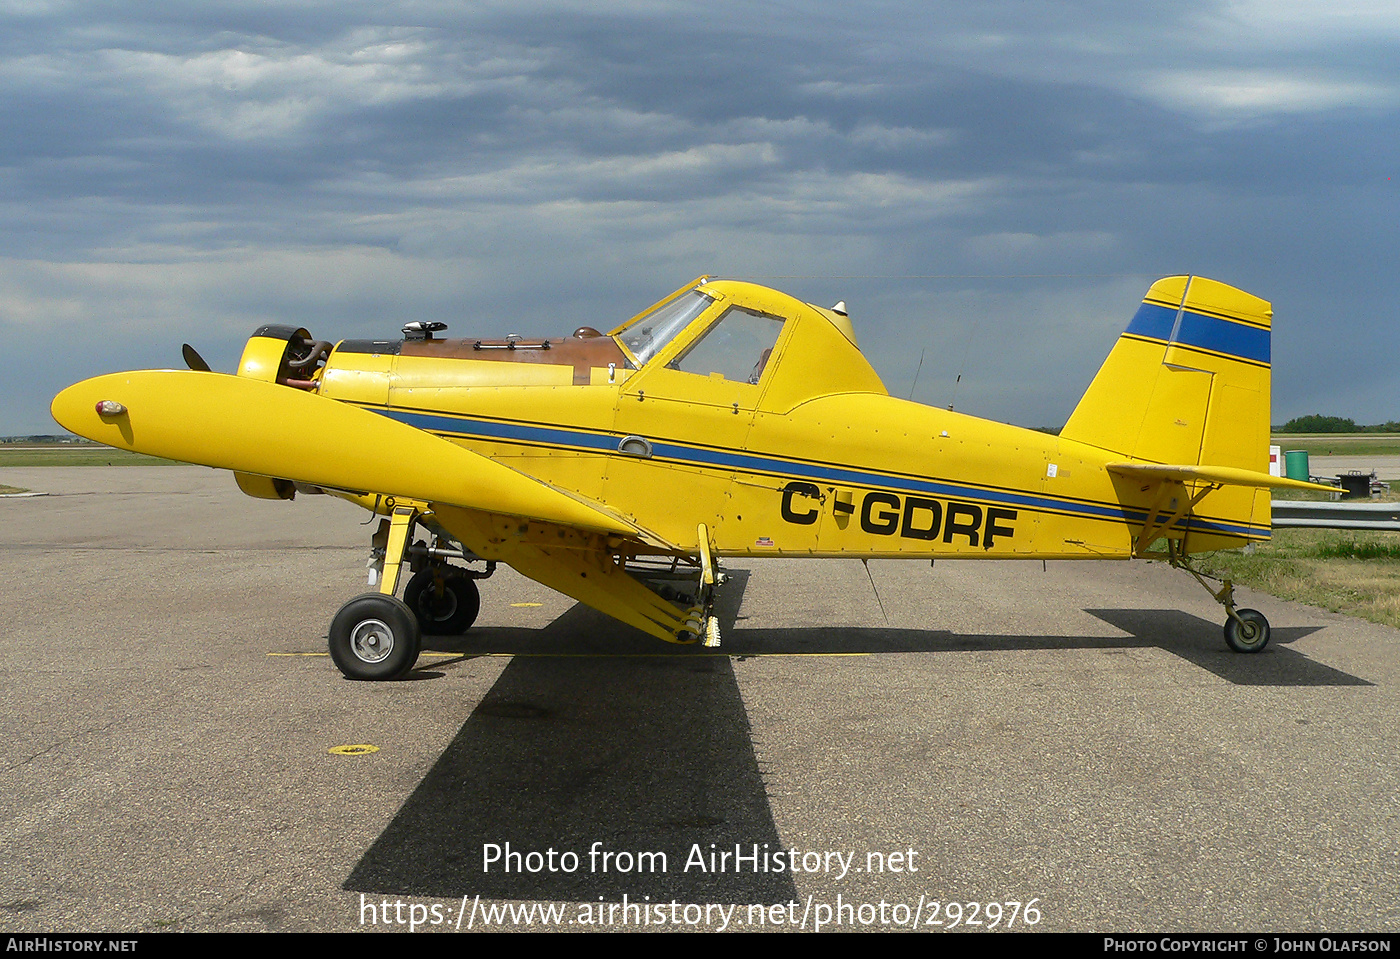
pixel 1246 630
pixel 710 577
pixel 701 625
pixel 376 636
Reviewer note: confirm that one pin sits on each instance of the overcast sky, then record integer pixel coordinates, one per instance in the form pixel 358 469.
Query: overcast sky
pixel 991 185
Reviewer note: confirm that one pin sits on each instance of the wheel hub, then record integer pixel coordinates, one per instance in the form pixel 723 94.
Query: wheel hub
pixel 442 607
pixel 372 641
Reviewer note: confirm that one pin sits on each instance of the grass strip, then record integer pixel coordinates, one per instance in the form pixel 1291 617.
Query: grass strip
pixel 1340 444
pixel 76 456
pixel 1349 572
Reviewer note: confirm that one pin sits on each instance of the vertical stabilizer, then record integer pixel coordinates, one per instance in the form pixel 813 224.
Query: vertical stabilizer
pixel 1187 382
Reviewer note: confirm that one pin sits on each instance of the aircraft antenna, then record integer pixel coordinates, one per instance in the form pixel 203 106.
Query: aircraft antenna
pixel 971 331
pixel 916 372
pixel 866 564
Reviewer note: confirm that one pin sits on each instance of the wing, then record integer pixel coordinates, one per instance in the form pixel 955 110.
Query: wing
pixel 554 536
pixel 241 424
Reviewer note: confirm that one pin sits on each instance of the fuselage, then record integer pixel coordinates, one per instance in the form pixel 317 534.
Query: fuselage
pixel 801 452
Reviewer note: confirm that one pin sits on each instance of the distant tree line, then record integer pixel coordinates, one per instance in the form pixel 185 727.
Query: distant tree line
pixel 1317 423
pixel 45 438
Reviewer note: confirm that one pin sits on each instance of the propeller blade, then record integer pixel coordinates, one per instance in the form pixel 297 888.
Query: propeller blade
pixel 193 360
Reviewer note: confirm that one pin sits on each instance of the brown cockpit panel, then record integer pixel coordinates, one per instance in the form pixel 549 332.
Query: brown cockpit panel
pixel 582 353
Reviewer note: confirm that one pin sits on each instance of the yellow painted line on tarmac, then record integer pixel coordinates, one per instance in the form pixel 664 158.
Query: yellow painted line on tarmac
pixel 525 605
pixel 661 655
pixel 427 655
pixel 799 655
pixel 420 655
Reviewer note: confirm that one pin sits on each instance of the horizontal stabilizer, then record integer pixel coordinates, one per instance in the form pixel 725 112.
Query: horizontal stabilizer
pixel 249 426
pixel 1220 475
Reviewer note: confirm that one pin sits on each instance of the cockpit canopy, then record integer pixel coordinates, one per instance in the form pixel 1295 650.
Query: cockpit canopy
pixel 743 333
pixel 722 342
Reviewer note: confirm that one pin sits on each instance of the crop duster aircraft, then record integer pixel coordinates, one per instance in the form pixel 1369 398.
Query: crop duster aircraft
pixel 727 420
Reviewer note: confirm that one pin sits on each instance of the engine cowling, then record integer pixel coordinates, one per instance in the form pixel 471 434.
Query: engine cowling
pixel 285 355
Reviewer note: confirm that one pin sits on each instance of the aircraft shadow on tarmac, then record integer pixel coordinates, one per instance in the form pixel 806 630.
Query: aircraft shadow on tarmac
pixel 637 752
pixel 595 734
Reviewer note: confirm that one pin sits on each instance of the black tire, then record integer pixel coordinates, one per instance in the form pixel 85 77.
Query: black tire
pixel 450 614
pixel 374 637
pixel 1248 634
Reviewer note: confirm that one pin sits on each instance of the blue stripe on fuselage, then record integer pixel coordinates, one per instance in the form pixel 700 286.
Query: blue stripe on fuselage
pixel 725 459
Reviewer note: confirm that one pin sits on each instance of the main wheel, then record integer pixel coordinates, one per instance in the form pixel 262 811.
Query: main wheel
pixel 450 614
pixel 374 637
pixel 1249 633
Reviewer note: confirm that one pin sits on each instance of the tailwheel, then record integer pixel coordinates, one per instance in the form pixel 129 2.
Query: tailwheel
pixel 1247 631
pixel 444 601
pixel 374 637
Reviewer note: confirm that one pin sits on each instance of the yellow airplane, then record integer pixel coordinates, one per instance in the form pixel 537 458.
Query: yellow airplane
pixel 727 420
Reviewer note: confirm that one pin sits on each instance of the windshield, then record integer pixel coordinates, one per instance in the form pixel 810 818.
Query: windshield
pixel 650 334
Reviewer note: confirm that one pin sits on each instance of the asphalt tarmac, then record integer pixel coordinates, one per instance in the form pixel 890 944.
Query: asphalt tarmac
pixel 1385 467
pixel 1076 738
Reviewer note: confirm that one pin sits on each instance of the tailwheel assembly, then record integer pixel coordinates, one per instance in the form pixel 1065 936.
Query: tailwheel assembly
pixel 1246 630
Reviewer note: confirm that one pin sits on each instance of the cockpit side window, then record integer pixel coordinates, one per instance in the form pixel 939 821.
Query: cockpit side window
pixel 737 346
pixel 649 334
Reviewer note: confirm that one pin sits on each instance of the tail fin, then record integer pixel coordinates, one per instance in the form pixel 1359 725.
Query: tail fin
pixel 1187 385
pixel 1187 382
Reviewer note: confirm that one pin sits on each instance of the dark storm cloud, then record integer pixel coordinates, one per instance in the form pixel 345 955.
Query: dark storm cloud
pixel 176 170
